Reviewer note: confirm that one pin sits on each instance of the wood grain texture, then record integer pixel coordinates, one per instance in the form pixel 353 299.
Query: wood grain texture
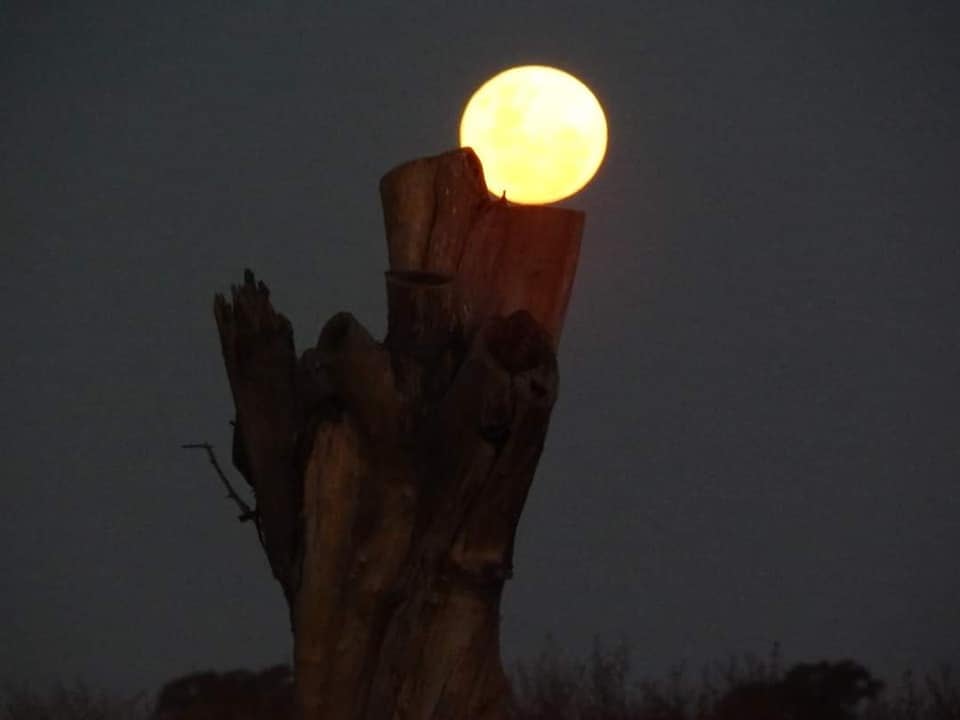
pixel 391 476
pixel 440 218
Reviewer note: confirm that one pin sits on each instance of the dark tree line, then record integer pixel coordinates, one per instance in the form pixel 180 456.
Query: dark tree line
pixel 550 688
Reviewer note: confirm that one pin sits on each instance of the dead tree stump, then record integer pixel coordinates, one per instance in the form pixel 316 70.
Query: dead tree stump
pixel 390 477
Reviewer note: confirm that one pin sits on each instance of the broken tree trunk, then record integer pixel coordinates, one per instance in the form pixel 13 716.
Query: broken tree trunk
pixel 390 476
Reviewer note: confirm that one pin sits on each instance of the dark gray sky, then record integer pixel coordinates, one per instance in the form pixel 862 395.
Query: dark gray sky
pixel 758 436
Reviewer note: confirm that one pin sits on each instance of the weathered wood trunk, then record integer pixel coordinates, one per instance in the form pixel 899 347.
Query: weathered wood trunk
pixel 390 477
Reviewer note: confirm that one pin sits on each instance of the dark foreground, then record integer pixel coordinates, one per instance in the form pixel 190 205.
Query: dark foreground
pixel 552 688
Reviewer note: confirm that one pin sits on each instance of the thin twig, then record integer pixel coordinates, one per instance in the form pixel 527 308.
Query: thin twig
pixel 246 512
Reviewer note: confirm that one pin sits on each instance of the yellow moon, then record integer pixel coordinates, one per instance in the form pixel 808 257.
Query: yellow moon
pixel 538 131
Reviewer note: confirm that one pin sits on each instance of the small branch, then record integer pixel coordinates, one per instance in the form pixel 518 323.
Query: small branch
pixel 246 512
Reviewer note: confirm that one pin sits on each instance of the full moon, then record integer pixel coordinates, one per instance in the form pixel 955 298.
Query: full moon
pixel 538 131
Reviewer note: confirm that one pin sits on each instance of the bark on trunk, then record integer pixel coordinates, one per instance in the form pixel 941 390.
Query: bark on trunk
pixel 390 477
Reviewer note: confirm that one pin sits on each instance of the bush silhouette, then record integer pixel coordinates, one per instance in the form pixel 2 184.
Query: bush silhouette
pixel 752 700
pixel 61 702
pixel 814 691
pixel 828 691
pixel 552 688
pixel 235 695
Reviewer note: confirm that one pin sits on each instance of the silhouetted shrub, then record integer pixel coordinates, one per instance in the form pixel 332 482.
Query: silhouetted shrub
pixel 751 700
pixel 235 695
pixel 828 691
pixel 937 698
pixel 22 702
pixel 552 688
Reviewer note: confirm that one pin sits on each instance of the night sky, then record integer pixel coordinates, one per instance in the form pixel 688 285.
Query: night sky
pixel 758 434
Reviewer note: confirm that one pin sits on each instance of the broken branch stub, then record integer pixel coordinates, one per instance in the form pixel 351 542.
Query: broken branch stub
pixel 259 356
pixel 440 218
